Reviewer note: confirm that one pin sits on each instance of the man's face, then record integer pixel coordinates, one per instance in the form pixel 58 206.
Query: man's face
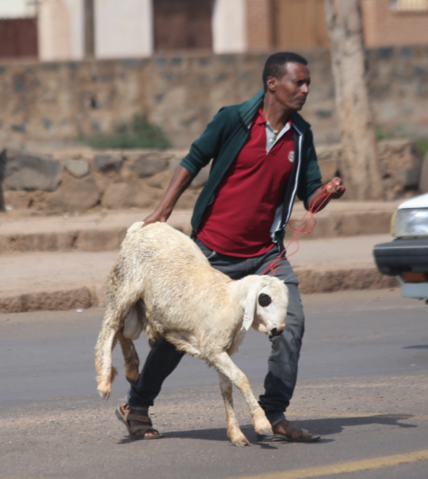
pixel 292 89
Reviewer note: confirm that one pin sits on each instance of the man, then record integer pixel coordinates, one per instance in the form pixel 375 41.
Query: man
pixel 263 156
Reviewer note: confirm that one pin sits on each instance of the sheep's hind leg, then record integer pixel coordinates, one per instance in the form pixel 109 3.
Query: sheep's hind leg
pixel 233 430
pixel 132 361
pixel 226 366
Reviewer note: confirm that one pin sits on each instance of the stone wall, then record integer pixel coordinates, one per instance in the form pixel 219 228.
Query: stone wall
pixel 81 180
pixel 77 181
pixel 50 103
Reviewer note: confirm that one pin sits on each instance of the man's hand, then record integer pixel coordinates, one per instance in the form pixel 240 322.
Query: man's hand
pixel 332 190
pixel 154 217
pixel 335 188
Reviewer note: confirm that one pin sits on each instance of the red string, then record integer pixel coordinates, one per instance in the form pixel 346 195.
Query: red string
pixel 306 228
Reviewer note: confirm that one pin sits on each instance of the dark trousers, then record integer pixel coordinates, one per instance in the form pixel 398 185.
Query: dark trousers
pixel 282 364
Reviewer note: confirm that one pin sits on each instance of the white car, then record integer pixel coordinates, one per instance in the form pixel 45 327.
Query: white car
pixel 407 256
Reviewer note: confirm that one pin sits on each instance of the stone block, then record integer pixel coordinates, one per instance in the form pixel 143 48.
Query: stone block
pixel 77 168
pixel 107 163
pixel 396 155
pixel 149 167
pixel 407 178
pixel 20 199
pixel 124 195
pixel 75 195
pixel 161 180
pixel 25 171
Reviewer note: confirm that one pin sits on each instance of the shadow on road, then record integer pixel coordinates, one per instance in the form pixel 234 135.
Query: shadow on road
pixel 324 427
pixel 327 426
pixel 420 346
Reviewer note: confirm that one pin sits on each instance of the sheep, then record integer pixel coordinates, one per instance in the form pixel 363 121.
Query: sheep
pixel 162 284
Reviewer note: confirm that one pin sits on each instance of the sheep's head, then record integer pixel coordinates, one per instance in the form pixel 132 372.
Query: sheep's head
pixel 265 305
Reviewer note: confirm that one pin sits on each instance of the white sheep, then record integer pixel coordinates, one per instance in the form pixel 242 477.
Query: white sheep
pixel 163 285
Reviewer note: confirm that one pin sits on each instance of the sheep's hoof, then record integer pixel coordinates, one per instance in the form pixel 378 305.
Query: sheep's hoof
pixel 104 394
pixel 241 442
pixel 265 432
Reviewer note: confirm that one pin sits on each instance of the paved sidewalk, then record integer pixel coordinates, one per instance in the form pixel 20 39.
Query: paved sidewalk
pixel 105 230
pixel 58 263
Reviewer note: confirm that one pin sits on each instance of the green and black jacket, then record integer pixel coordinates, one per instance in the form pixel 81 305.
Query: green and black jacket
pixel 222 141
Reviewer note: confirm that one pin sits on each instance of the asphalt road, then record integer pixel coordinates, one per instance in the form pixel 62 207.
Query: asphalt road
pixel 363 386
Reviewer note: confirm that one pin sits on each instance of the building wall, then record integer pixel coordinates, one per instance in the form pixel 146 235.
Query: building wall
pixel 16 9
pixel 52 102
pixel 229 26
pixel 60 30
pixel 384 26
pixel 299 24
pixel 123 29
pixel 260 34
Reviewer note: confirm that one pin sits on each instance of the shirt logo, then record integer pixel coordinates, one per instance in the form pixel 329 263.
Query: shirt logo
pixel 291 157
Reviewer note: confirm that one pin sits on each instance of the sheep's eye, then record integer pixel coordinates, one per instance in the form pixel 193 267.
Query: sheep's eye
pixel 264 300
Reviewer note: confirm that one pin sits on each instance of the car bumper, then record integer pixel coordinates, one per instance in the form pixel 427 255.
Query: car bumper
pixel 408 260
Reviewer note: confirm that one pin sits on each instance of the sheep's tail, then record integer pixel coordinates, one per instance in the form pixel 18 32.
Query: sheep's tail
pixel 106 342
pixel 120 302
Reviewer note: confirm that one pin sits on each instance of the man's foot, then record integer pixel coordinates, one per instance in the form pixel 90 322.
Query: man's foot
pixel 137 421
pixel 285 431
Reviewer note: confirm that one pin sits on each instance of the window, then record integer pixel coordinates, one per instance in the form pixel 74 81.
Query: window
pixel 409 5
pixel 182 24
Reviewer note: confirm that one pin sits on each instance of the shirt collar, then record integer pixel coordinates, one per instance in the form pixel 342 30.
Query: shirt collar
pixel 261 120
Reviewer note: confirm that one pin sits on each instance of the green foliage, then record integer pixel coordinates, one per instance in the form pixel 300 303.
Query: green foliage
pixel 383 133
pixel 422 146
pixel 138 133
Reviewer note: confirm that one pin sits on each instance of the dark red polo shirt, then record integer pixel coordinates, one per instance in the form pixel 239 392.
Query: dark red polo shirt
pixel 238 222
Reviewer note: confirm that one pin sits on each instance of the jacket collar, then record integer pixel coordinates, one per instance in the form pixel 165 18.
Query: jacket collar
pixel 249 108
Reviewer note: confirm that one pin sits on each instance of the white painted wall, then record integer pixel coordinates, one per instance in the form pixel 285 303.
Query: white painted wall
pixel 123 28
pixel 229 26
pixel 16 9
pixel 76 29
pixel 60 30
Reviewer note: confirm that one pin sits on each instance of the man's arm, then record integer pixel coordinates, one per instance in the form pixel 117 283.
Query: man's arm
pixel 179 183
pixel 201 152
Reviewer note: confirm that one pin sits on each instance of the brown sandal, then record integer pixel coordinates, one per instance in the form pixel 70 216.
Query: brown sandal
pixel 139 415
pixel 306 436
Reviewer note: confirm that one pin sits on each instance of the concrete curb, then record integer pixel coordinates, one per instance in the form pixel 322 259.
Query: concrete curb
pixel 319 280
pixel 85 297
pixel 109 239
pixel 85 240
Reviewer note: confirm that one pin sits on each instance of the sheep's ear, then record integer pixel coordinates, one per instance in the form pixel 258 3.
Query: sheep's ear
pixel 250 307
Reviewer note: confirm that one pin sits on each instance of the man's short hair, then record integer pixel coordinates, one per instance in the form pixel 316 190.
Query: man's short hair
pixel 275 65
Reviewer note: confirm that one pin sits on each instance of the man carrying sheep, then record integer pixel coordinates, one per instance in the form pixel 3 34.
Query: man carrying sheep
pixel 263 157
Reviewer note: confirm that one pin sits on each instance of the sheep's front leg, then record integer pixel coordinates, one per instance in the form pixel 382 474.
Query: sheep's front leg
pixel 103 366
pixel 226 366
pixel 132 361
pixel 233 429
